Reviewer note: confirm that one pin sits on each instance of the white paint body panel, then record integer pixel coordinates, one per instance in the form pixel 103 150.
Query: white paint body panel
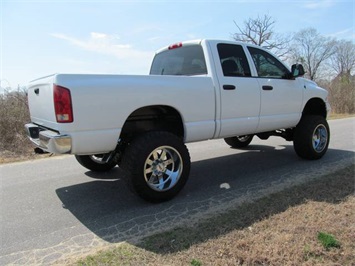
pixel 102 103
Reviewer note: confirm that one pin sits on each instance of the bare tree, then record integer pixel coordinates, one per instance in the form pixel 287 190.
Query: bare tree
pixel 260 31
pixel 343 60
pixel 312 50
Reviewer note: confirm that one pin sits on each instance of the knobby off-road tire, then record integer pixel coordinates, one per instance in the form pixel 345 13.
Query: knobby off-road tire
pixel 158 165
pixel 98 162
pixel 239 141
pixel 311 137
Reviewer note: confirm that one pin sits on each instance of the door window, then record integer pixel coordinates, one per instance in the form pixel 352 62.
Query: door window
pixel 233 60
pixel 267 65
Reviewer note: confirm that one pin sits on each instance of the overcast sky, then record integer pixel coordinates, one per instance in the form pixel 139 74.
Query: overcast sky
pixel 39 38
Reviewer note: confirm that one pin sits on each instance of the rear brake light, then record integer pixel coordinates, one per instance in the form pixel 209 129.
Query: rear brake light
pixel 176 45
pixel 62 104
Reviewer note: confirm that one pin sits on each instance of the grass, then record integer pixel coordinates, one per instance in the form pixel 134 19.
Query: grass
pixel 7 156
pixel 285 228
pixel 328 241
pixel 333 116
pixel 195 262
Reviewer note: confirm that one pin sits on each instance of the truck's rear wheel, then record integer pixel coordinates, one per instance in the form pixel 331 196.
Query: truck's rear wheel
pixel 98 162
pixel 239 141
pixel 158 164
pixel 311 137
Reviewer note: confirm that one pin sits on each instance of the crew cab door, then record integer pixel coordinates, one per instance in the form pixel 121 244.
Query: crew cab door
pixel 281 95
pixel 240 92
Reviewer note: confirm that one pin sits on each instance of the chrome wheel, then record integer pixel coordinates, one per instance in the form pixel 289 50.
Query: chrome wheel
pixel 158 165
pixel 99 162
pixel 102 158
pixel 244 138
pixel 239 141
pixel 163 168
pixel 320 138
pixel 311 137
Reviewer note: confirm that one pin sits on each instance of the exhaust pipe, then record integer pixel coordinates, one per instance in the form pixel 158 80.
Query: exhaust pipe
pixel 39 151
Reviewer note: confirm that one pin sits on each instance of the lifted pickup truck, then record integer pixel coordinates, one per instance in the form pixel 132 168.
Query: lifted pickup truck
pixel 196 90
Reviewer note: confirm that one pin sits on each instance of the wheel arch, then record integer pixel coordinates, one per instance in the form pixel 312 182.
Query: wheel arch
pixel 153 118
pixel 315 106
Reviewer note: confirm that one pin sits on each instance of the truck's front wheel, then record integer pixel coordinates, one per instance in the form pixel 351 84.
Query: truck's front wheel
pixel 311 137
pixel 158 164
pixel 98 162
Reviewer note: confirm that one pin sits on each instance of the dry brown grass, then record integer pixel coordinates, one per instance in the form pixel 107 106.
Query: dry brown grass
pixel 14 144
pixel 339 116
pixel 288 238
pixel 8 156
pixel 280 229
pixel 14 114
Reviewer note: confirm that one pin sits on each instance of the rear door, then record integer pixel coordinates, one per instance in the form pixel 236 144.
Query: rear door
pixel 240 92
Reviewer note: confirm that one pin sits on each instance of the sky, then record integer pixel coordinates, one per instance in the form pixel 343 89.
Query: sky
pixel 42 37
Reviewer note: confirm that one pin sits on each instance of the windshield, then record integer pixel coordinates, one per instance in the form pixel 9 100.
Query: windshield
pixel 186 61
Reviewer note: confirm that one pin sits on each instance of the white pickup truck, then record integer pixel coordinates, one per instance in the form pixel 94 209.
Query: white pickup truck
pixel 196 90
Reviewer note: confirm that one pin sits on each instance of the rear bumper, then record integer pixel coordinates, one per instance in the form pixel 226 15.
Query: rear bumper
pixel 48 140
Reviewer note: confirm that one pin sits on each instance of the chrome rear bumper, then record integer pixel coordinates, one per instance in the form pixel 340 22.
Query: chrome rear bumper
pixel 48 140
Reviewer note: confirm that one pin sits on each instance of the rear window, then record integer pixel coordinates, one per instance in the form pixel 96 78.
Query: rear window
pixel 185 61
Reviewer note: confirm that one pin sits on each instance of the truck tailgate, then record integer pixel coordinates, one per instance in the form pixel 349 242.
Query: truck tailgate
pixel 40 100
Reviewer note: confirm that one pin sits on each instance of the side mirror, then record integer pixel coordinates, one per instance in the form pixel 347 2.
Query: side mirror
pixel 297 70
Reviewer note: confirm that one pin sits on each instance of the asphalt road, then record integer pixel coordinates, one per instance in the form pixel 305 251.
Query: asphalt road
pixel 54 209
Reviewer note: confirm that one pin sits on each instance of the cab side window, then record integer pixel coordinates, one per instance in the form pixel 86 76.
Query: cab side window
pixel 267 65
pixel 233 60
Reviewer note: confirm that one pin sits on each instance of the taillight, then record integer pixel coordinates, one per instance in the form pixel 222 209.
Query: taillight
pixel 62 104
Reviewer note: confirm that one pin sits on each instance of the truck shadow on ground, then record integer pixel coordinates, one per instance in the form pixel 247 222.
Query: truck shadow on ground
pixel 114 213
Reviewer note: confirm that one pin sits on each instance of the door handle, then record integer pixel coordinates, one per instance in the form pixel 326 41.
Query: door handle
pixel 228 87
pixel 268 88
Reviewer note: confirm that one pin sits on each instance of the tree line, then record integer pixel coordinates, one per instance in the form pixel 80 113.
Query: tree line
pixel 322 57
